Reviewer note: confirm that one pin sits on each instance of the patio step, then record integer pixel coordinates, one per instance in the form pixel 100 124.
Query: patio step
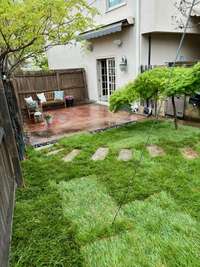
pixel 125 155
pixel 100 154
pixel 71 156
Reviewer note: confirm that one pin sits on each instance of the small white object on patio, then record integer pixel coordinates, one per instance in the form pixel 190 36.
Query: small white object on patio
pixel 100 154
pixel 125 155
pixel 71 156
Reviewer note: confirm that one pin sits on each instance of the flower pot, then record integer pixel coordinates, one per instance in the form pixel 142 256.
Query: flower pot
pixel 48 121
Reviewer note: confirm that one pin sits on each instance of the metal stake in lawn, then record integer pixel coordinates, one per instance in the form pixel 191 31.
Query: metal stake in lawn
pixel 124 197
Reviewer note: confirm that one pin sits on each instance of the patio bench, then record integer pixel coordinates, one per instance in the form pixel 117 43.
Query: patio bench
pixel 51 102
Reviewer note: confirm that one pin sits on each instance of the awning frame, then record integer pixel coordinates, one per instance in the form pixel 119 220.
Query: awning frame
pixel 105 30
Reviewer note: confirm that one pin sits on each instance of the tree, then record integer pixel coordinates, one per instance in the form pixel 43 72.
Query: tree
pixel 159 82
pixel 148 85
pixel 28 28
pixel 182 81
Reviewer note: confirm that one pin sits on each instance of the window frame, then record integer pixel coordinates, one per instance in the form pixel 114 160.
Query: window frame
pixel 108 8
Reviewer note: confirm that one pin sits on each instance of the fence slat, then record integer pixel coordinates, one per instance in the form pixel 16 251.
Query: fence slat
pixel 72 81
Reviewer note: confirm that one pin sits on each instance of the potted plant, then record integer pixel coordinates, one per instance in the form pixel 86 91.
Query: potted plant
pixel 48 119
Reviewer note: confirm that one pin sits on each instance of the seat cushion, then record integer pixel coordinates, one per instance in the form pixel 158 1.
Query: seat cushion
pixel 52 102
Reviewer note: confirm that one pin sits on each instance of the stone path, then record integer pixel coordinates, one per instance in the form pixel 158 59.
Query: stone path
pixel 125 155
pixel 155 151
pixel 189 153
pixel 100 154
pixel 54 152
pixel 71 156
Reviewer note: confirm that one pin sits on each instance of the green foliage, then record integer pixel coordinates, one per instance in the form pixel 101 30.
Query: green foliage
pixel 123 97
pixel 160 237
pixel 42 236
pixel 158 82
pixel 151 83
pixel 182 81
pixel 29 28
pixel 41 61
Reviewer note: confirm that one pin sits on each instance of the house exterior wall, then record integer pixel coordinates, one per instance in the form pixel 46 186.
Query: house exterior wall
pixel 163 16
pixel 155 17
pixel 70 56
pixel 164 47
pixel 99 52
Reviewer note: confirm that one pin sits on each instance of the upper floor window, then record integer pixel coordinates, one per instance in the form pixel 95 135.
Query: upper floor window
pixel 113 3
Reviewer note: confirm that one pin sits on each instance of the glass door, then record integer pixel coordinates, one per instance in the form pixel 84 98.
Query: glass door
pixel 107 78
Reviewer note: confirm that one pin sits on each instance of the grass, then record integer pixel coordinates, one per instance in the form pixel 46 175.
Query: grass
pixel 63 216
pixel 161 237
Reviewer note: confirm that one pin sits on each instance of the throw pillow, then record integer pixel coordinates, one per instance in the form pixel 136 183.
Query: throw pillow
pixel 32 105
pixel 28 99
pixel 58 95
pixel 42 98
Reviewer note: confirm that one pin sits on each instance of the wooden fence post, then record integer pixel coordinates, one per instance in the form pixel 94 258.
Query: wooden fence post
pixel 6 123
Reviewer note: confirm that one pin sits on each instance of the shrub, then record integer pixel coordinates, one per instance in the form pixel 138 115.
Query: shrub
pixel 123 97
pixel 158 82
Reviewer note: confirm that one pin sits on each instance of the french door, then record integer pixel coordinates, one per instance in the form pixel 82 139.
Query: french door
pixel 107 78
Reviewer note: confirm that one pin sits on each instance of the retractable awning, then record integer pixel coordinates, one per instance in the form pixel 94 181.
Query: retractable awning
pixel 105 30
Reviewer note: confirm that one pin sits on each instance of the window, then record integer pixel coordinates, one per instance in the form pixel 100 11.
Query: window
pixel 113 3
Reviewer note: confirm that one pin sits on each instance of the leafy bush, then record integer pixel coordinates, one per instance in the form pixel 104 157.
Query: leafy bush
pixel 158 82
pixel 123 97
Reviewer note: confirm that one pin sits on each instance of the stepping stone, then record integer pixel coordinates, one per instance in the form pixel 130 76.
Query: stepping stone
pixel 43 147
pixel 74 153
pixel 54 152
pixel 189 153
pixel 100 154
pixel 125 154
pixel 155 151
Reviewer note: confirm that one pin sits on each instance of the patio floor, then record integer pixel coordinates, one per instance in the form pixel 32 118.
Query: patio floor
pixel 67 121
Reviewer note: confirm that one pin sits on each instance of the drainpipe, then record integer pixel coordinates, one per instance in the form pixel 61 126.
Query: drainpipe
pixel 138 36
pixel 149 52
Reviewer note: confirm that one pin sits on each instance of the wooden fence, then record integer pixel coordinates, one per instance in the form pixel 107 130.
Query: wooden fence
pixel 10 176
pixel 73 82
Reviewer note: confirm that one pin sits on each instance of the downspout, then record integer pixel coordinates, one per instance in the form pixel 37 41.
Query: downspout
pixel 149 52
pixel 138 37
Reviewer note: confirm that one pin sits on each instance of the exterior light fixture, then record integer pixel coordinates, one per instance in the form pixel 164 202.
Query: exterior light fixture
pixel 118 42
pixel 123 64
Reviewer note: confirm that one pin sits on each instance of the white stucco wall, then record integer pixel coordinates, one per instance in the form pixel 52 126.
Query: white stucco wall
pixel 105 48
pixel 164 47
pixel 151 16
pixel 64 57
pixel 162 16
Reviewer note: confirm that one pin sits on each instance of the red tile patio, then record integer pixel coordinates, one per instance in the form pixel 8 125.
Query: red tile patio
pixel 76 119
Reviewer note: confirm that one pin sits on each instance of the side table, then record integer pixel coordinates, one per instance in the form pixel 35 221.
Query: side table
pixel 38 117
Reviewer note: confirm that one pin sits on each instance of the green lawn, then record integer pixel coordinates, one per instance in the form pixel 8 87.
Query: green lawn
pixel 64 215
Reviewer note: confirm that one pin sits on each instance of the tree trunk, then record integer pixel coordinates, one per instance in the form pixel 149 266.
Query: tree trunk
pixel 174 110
